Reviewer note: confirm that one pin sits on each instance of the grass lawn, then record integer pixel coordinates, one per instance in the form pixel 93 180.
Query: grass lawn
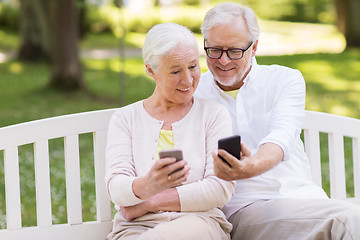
pixel 332 80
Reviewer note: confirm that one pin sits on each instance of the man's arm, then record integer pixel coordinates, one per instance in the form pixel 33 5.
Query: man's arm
pixel 267 157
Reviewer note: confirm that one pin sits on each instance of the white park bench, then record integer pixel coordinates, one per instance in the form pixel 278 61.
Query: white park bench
pixel 69 127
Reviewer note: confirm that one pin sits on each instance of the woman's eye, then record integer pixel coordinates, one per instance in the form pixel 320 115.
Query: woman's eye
pixel 193 66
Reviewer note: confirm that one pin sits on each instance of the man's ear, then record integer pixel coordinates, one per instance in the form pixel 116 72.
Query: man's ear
pixel 254 48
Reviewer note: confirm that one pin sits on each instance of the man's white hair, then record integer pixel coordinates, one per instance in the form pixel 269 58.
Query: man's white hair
pixel 225 12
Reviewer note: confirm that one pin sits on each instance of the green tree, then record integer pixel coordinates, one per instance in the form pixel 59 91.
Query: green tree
pixel 50 27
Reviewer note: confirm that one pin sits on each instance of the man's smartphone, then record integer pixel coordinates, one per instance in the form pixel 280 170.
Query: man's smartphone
pixel 176 153
pixel 231 145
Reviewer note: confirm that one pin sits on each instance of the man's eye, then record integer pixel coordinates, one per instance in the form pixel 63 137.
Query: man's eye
pixel 235 51
pixel 215 50
pixel 175 72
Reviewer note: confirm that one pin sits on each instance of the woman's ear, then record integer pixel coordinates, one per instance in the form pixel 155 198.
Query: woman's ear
pixel 149 71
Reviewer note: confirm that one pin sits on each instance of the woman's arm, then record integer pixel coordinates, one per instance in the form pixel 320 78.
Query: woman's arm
pixel 167 200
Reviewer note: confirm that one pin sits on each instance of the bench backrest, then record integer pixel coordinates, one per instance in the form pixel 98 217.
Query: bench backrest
pixel 336 129
pixel 39 133
pixel 69 127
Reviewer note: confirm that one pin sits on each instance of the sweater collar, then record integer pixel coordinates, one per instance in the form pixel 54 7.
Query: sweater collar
pixel 160 122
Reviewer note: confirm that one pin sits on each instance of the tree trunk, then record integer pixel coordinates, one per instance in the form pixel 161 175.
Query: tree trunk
pixel 32 47
pixel 348 21
pixel 59 23
pixel 82 25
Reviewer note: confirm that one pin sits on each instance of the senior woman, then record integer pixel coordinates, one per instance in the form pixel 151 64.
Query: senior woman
pixel 154 201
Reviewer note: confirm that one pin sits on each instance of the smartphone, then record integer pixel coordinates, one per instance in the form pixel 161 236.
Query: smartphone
pixel 176 153
pixel 231 145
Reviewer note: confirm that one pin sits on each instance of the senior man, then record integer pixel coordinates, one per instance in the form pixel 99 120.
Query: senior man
pixel 275 197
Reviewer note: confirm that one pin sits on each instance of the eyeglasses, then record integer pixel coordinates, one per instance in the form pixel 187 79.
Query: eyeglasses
pixel 232 53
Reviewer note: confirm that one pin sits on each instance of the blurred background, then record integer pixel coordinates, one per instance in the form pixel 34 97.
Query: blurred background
pixel 66 56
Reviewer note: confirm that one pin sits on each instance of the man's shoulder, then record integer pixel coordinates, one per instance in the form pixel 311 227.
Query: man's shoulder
pixel 208 104
pixel 211 109
pixel 275 69
pixel 206 88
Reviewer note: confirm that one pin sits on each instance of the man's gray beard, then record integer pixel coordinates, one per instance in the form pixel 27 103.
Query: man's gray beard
pixel 229 83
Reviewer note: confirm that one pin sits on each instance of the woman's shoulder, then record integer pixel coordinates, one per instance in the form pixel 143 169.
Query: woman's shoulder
pixel 128 110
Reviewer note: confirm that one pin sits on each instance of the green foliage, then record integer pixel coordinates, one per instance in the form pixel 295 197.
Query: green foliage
pixel 9 16
pixel 315 11
pixel 191 2
pixel 110 18
pixel 9 40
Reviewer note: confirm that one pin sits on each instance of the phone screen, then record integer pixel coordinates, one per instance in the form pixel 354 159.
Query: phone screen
pixel 231 145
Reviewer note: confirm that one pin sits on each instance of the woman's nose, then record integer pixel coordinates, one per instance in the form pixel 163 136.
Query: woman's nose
pixel 188 78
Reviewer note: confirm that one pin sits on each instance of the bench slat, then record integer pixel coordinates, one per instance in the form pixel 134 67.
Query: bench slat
pixel 73 185
pixel 12 188
pixel 337 166
pixel 55 127
pixel 103 204
pixel 42 182
pixel 356 166
pixel 326 122
pixel 88 230
pixel 312 149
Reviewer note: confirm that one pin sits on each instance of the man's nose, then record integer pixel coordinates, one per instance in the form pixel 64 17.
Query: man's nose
pixel 224 59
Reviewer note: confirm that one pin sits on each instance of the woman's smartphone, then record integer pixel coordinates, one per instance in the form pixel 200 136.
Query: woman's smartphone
pixel 176 153
pixel 231 145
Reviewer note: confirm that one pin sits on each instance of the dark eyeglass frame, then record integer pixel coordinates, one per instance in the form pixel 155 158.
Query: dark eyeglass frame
pixel 227 53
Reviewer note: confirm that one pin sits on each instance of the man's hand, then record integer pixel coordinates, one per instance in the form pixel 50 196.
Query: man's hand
pixel 268 155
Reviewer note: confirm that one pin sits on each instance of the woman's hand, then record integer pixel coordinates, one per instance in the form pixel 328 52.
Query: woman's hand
pixel 165 173
pixel 167 200
pixel 132 212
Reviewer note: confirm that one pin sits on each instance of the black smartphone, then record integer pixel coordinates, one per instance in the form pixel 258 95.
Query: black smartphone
pixel 231 145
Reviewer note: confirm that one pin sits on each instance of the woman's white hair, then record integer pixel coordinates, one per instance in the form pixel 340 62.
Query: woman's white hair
pixel 162 38
pixel 225 12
